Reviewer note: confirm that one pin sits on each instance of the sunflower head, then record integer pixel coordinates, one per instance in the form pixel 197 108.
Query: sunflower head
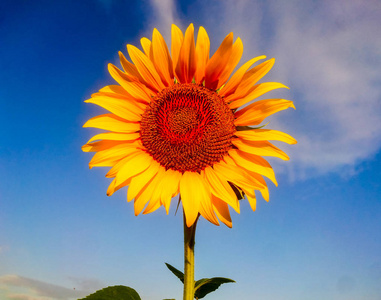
pixel 187 127
pixel 176 127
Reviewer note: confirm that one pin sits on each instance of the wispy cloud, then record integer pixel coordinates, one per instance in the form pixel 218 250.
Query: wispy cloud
pixel 4 248
pixel 327 53
pixel 87 284
pixel 24 297
pixel 38 290
pixel 164 14
pixel 331 60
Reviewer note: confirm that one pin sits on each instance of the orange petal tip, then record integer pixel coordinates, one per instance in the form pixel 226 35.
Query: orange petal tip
pixel 86 147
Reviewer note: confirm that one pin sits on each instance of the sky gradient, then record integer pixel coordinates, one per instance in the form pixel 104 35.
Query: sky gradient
pixel 319 237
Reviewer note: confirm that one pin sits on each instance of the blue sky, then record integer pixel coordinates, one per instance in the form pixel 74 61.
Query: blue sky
pixel 319 237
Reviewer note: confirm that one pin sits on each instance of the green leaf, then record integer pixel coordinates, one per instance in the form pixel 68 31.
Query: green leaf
pixel 205 286
pixel 114 292
pixel 178 273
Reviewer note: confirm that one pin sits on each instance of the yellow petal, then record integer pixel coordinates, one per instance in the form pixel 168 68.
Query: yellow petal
pixel 221 188
pixel 206 208
pixel 256 112
pixel 109 157
pixel 154 202
pixel 234 59
pixel 193 192
pixel 233 83
pixel 127 110
pixel 116 91
pixel 111 136
pixel 126 97
pixel 162 58
pixel 256 73
pixel 113 187
pixel 128 153
pixel 170 187
pixel 143 197
pixel 222 211
pixel 177 41
pixel 151 207
pixel 255 183
pixel 146 45
pixel 129 68
pixel 134 89
pixel 218 62
pixel 234 174
pixel 145 67
pixel 141 181
pixel 140 203
pixel 265 193
pixel 254 92
pixel 112 123
pixel 262 148
pixel 250 195
pixel 264 135
pixel 256 177
pixel 252 77
pixel 253 163
pixel 99 146
pixel 202 54
pixel 186 64
pixel 136 164
pixel 118 75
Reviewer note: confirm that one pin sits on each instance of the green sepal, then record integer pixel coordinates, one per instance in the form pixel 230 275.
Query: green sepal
pixel 178 204
pixel 205 286
pixel 242 128
pixel 178 273
pixel 237 191
pixel 114 292
pixel 218 90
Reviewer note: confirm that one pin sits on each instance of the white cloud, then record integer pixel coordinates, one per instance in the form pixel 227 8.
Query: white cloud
pixel 38 290
pixel 330 58
pixel 164 15
pixel 4 248
pixel 87 284
pixel 329 54
pixel 24 297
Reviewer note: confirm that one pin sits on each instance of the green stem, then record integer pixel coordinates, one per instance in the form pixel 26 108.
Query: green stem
pixel 189 241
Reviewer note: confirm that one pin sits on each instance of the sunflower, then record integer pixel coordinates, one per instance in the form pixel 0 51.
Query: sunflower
pixel 174 126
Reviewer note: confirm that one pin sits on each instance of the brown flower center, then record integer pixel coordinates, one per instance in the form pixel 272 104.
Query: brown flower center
pixel 187 127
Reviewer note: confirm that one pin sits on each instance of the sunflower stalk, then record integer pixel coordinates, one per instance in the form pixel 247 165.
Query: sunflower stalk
pixel 189 242
pixel 189 133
